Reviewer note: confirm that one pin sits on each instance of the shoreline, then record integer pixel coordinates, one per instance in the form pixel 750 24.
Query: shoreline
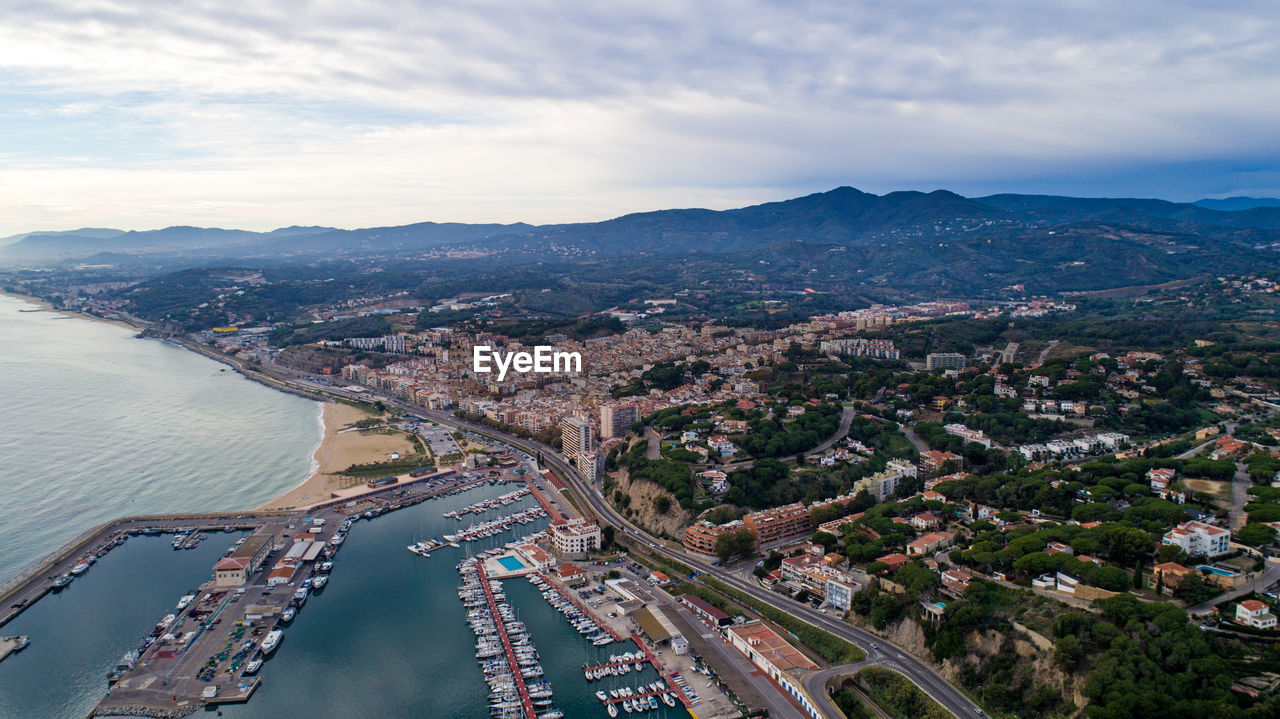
pixel 44 304
pixel 338 449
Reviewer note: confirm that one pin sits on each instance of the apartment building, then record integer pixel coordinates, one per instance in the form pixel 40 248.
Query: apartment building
pixel 1197 538
pixel 771 525
pixel 577 436
pixel 944 360
pixel 616 419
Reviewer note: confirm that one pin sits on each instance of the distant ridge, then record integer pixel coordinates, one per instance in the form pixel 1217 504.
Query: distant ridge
pixel 844 216
pixel 1235 204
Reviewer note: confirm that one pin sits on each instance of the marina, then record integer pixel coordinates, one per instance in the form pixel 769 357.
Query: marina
pixel 494 527
pixel 488 504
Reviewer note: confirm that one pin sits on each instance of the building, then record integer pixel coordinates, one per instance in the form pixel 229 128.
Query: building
pixel 534 555
pixel 1197 538
pixel 944 360
pixel 930 543
pixel 1168 575
pixel 703 609
pixel 235 569
pixel 577 436
pixel 701 536
pixel 932 462
pixel 968 435
pixel 590 465
pixel 773 655
pixel 616 419
pixel 840 593
pixel 784 522
pixel 1254 613
pixel 895 561
pixel 573 538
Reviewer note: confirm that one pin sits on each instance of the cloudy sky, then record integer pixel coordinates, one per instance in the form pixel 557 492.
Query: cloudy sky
pixel 146 113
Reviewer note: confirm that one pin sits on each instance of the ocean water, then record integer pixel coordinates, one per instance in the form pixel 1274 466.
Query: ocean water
pixel 95 424
pixel 387 636
pixel 78 634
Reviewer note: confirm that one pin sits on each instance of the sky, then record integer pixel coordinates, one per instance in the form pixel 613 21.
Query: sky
pixel 139 114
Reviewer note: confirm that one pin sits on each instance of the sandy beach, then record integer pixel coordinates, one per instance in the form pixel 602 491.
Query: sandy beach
pixel 44 305
pixel 340 448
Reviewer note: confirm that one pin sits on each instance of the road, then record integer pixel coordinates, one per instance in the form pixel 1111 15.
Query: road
pixel 846 419
pixel 1240 484
pixel 1270 574
pixel 914 669
pixel 654 449
pixel 1044 353
pixel 920 673
pixel 816 684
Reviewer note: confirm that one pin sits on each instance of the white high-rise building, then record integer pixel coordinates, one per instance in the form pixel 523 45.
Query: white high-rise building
pixel 577 436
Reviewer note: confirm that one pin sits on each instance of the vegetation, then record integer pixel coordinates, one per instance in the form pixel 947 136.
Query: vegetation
pixel 898 696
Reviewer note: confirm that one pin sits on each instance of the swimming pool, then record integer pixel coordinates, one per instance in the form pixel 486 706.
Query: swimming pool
pixel 1217 571
pixel 511 564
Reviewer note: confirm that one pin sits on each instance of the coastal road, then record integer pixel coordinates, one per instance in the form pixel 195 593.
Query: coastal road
pixel 920 673
pixel 816 684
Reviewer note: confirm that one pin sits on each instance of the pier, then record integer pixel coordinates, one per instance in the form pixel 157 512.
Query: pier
pixel 501 626
pixel 654 661
pixel 604 626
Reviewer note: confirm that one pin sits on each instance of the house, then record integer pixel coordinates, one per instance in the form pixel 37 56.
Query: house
pixel 932 496
pixel 979 512
pixel 931 462
pixel 895 560
pixel 1228 447
pixel 924 521
pixel 1058 548
pixel 1168 574
pixel 1254 613
pixel 930 543
pixel 955 581
pixel 1160 479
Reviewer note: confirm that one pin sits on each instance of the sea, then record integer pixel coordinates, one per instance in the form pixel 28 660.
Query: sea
pixel 125 426
pixel 96 424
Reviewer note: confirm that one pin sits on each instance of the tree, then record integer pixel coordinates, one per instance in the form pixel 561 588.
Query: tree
pixel 735 544
pixel 607 534
pixel 662 503
pixel 1255 534
pixel 1193 589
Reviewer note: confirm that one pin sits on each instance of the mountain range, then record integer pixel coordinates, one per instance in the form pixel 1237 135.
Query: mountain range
pixel 938 239
pixel 843 216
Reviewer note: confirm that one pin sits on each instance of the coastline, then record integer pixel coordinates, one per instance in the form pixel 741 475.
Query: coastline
pixel 335 451
pixel 339 448
pixel 44 305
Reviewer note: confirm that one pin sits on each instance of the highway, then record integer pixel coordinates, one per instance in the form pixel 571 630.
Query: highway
pixel 889 655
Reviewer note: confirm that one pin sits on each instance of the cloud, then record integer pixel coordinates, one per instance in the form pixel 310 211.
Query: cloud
pixel 154 112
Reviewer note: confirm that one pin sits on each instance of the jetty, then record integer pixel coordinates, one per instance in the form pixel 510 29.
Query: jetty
pixel 523 690
pixel 604 626
pixel 12 645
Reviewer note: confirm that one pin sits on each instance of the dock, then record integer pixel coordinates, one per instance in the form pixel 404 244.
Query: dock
pixel 11 645
pixel 653 660
pixel 604 626
pixel 525 699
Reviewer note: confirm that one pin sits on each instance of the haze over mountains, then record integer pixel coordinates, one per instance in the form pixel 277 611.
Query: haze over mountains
pixel 940 235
